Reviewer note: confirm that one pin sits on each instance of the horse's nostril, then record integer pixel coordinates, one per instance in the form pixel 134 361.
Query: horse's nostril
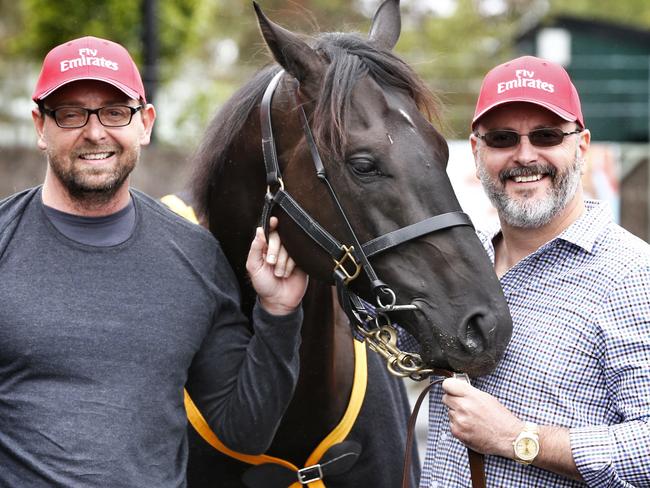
pixel 473 340
pixel 477 331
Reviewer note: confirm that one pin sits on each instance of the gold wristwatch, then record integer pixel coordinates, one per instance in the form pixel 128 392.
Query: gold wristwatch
pixel 526 444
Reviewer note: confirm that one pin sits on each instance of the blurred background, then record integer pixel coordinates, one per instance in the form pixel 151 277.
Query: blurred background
pixel 193 54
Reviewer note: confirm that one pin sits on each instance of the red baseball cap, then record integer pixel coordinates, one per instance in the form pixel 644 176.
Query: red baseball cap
pixel 533 80
pixel 89 58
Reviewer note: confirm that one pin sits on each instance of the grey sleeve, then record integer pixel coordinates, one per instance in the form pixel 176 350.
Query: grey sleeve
pixel 242 382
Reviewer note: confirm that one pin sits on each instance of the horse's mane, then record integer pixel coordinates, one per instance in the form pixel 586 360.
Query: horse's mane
pixel 221 133
pixel 350 58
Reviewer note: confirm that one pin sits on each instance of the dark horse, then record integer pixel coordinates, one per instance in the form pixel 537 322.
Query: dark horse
pixel 371 119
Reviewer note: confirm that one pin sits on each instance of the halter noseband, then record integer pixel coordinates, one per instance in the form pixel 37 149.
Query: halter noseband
pixel 349 260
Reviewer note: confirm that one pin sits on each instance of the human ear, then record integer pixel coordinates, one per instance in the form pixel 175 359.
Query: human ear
pixel 473 142
pixel 582 147
pixel 38 118
pixel 148 114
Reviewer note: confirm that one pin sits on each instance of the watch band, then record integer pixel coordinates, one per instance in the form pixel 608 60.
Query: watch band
pixel 526 445
pixel 531 427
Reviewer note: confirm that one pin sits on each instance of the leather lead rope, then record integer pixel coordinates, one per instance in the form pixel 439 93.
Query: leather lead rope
pixel 476 460
pixel 477 468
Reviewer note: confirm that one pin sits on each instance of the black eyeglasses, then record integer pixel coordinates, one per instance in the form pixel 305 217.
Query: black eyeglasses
pixel 76 117
pixel 539 137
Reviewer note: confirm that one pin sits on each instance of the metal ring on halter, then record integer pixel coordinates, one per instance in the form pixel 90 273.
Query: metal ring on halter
pixel 268 187
pixel 409 362
pixel 392 307
pixel 393 298
pixel 394 370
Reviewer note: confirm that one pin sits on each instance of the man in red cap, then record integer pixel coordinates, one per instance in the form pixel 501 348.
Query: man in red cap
pixel 110 304
pixel 569 404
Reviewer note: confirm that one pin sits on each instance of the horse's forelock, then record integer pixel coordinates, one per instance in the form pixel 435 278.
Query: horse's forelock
pixel 351 58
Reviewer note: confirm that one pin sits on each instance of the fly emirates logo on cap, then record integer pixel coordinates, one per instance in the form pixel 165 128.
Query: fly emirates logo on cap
pixel 88 57
pixel 525 79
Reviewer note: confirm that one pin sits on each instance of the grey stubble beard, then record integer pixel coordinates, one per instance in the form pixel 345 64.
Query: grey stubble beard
pixel 529 213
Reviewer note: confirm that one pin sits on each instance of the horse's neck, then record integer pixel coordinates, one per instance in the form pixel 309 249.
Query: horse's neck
pixel 326 375
pixel 327 355
pixel 327 352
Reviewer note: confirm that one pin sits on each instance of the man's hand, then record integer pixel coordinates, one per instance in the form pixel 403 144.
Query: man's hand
pixel 479 420
pixel 279 284
pixel 482 423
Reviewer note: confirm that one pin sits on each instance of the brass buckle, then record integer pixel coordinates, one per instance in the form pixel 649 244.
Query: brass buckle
pixel 340 264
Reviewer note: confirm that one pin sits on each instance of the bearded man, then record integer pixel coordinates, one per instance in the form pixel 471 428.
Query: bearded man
pixel 569 404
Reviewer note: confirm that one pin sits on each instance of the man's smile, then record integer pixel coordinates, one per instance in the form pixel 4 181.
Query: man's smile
pixel 96 156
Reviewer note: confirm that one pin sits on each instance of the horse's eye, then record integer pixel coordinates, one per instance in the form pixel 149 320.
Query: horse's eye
pixel 364 167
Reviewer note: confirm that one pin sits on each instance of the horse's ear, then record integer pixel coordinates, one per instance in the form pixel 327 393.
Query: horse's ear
pixel 291 52
pixel 386 25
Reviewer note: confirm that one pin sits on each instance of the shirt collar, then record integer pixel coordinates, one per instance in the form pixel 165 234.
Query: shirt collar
pixel 582 233
pixel 585 231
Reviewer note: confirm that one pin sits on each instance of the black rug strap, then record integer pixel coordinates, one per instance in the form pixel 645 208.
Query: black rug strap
pixel 337 460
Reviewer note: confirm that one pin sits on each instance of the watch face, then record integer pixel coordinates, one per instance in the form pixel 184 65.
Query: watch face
pixel 526 448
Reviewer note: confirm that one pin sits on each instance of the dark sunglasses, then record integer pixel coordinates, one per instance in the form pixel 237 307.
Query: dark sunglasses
pixel 539 137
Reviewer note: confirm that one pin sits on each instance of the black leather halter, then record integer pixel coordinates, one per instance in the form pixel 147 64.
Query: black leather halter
pixel 351 259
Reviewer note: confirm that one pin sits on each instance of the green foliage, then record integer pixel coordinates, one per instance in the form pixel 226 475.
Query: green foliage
pixel 46 24
pixel 181 26
pixel 453 53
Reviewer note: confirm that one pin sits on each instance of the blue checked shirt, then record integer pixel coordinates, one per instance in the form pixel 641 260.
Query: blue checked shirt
pixel 579 358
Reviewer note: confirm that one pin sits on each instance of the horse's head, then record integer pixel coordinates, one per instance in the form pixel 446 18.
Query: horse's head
pixel 371 120
pixel 371 116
